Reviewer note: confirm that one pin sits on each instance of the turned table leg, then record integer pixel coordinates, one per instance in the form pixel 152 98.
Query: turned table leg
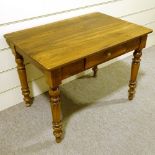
pixel 23 78
pixel 56 113
pixel 54 80
pixel 134 71
pixel 95 69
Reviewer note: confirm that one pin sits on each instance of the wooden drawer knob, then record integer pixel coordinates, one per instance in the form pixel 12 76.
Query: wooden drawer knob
pixel 109 54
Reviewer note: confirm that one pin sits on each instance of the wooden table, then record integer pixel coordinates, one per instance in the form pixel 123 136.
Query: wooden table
pixel 67 47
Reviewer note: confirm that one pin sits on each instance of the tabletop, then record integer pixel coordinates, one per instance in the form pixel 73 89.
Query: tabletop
pixel 59 43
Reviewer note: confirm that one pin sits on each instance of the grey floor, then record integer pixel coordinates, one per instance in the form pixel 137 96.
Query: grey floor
pixel 98 118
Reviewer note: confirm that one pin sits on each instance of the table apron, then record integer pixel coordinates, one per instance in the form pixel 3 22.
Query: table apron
pixel 111 53
pixel 98 58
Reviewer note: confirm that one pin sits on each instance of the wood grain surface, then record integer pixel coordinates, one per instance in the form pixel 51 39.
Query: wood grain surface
pixel 53 45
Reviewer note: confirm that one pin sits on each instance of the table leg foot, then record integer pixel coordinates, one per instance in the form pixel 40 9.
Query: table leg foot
pixel 57 127
pixel 58 140
pixel 29 103
pixel 27 99
pixel 132 86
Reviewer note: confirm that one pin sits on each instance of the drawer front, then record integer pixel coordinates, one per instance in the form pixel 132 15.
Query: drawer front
pixel 72 69
pixel 111 53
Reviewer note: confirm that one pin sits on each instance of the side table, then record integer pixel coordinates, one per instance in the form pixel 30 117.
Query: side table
pixel 67 47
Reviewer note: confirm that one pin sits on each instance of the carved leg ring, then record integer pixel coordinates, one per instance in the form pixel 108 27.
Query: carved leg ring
pixel 134 71
pixel 23 79
pixel 95 69
pixel 56 113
